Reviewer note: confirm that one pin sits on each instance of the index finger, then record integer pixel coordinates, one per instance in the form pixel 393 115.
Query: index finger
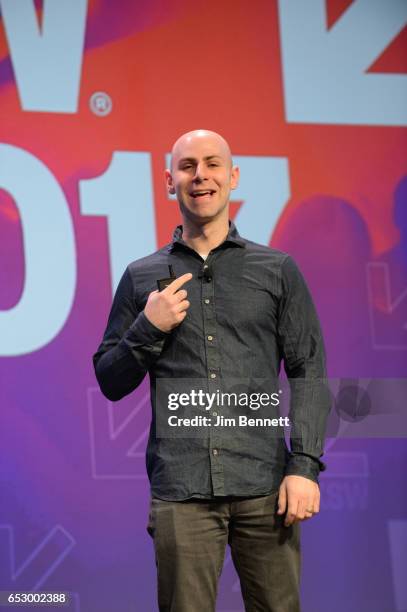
pixel 178 282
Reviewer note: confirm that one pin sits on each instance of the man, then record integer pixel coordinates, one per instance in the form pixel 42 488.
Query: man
pixel 235 310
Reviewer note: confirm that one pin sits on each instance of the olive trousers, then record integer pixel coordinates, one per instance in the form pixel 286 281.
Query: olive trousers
pixel 190 539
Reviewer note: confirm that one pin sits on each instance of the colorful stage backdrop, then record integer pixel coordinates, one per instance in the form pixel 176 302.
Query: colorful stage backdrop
pixel 312 96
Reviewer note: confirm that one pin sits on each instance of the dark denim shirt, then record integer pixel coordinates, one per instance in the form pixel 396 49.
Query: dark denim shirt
pixel 250 309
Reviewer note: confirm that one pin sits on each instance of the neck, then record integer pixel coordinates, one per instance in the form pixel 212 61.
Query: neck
pixel 203 238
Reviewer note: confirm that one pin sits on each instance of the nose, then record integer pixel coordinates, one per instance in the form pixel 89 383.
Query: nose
pixel 200 172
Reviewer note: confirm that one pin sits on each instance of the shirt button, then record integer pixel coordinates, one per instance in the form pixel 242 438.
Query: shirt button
pixel 205 267
pixel 213 375
pixel 207 301
pixel 210 338
pixel 214 414
pixel 215 451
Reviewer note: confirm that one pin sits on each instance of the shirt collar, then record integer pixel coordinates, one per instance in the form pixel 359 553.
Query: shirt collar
pixel 233 237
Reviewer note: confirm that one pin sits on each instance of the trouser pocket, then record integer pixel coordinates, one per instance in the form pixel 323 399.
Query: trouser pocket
pixel 150 521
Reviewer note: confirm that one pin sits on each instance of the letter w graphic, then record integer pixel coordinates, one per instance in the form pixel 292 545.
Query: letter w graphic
pixel 46 59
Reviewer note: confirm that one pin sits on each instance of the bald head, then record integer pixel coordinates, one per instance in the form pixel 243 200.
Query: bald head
pixel 197 137
pixel 202 176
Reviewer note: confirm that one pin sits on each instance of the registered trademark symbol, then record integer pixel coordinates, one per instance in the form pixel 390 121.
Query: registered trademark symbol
pixel 100 103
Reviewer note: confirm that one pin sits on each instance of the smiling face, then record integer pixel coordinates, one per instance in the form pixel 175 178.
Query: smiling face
pixel 202 176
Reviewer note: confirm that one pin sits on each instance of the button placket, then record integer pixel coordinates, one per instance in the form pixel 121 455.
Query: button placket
pixel 213 374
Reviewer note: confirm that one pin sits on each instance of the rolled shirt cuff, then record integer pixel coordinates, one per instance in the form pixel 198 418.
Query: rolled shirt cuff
pixel 145 331
pixel 304 465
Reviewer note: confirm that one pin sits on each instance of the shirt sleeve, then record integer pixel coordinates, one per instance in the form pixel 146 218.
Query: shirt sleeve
pixel 302 348
pixel 130 345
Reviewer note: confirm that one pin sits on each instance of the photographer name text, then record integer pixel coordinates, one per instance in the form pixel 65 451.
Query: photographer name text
pixel 221 421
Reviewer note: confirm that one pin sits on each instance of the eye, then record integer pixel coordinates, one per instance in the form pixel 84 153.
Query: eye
pixel 213 165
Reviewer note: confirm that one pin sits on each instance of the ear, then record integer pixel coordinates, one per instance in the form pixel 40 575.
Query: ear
pixel 234 177
pixel 169 182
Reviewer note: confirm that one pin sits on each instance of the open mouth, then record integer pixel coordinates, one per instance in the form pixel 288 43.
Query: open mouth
pixel 201 194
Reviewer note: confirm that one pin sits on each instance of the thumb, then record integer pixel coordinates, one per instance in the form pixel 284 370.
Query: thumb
pixel 282 500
